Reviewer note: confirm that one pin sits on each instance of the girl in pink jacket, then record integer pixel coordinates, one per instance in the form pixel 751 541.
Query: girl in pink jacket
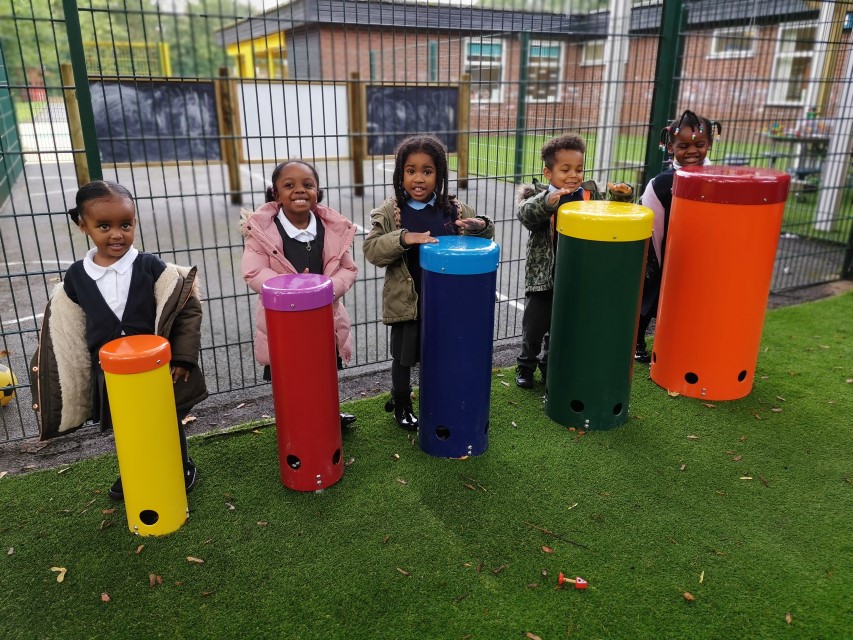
pixel 293 233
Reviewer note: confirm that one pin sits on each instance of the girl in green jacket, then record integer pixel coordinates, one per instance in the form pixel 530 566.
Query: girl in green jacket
pixel 420 210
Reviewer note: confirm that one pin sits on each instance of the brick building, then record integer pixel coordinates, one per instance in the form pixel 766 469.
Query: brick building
pixel 762 56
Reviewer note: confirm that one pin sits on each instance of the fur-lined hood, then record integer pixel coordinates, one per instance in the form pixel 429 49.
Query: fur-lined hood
pixel 61 369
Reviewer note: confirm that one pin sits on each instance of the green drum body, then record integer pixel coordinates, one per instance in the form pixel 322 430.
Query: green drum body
pixel 601 258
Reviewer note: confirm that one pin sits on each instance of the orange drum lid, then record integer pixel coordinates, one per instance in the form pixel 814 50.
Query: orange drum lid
pixel 135 354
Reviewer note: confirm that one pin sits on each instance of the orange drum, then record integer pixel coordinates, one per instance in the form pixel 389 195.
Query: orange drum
pixel 721 245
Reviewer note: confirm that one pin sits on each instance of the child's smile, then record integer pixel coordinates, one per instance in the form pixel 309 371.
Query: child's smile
pixel 689 148
pixel 111 223
pixel 419 176
pixel 567 172
pixel 296 192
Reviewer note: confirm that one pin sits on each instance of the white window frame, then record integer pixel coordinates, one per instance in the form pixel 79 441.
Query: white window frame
pixel 466 66
pixel 779 82
pixel 749 35
pixel 586 59
pixel 559 64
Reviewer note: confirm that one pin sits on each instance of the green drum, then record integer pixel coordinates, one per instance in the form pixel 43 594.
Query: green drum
pixel 601 261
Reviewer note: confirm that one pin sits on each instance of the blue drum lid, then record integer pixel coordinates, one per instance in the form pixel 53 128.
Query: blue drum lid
pixel 460 255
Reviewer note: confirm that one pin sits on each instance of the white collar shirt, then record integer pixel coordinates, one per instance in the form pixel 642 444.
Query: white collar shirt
pixel 113 281
pixel 303 235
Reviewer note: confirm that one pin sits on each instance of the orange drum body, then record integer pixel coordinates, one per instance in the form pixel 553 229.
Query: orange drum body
pixel 721 245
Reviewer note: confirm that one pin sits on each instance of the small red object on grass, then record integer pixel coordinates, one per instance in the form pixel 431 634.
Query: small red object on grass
pixel 579 582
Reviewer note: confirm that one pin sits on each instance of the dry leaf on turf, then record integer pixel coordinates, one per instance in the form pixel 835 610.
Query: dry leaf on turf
pixel 396 456
pixel 349 462
pixel 62 571
pixel 401 481
pixel 737 458
pixel 240 406
pixel 692 437
pixel 672 394
pixel 262 523
pixel 547 549
pixel 108 512
pixel 783 399
pixel 532 636
pixel 11 551
pixel 789 618
pixel 776 410
pixel 709 405
pixel 154 580
pixel 701 577
pixel 506 384
pixel 741 439
pixel 139 548
pixel 196 560
pixel 688 596
pixel 404 572
pixel 189 419
pixel 105 597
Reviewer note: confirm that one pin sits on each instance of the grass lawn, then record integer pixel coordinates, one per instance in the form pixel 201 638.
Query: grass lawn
pixel 744 505
pixel 26 111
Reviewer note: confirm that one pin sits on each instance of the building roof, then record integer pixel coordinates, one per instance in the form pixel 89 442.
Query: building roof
pixel 300 14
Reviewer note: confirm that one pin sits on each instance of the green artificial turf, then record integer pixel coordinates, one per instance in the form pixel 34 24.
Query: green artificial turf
pixel 745 505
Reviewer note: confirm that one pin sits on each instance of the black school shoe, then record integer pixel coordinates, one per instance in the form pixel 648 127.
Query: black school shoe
pixel 347 419
pixel 524 378
pixel 116 491
pixel 404 415
pixel 641 355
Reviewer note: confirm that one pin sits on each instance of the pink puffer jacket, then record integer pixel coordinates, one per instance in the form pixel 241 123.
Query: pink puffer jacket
pixel 263 258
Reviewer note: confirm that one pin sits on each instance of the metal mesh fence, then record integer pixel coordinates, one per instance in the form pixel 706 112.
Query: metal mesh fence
pixel 190 105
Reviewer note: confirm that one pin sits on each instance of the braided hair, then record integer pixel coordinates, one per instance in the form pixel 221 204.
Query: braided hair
pixel 95 190
pixel 695 122
pixel 434 148
pixel 270 193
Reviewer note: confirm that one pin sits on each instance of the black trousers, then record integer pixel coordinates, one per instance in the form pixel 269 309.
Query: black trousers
pixel 536 329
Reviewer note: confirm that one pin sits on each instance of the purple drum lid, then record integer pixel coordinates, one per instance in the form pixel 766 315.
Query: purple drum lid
pixel 297 292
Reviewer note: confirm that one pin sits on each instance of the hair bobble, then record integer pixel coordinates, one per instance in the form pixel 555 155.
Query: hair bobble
pixel 74 214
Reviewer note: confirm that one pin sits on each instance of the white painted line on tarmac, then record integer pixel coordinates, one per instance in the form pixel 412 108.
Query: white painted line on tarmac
pixel 40 262
pixel 24 319
pixel 502 298
pixel 255 176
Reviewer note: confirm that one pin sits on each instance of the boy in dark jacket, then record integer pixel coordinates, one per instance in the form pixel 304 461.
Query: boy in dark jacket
pixel 563 158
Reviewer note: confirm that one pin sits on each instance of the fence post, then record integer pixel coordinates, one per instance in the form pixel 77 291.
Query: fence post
pixel 75 128
pixel 228 127
pixel 521 106
pixel 84 96
pixel 463 111
pixel 357 141
pixel 668 72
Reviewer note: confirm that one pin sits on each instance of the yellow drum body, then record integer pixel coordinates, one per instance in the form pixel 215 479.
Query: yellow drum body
pixel 142 403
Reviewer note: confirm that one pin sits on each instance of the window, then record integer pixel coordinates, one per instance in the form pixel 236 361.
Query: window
pixel 592 52
pixel 484 61
pixel 793 64
pixel 544 63
pixel 733 43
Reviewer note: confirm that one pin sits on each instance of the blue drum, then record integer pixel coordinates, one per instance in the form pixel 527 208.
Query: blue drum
pixel 457 329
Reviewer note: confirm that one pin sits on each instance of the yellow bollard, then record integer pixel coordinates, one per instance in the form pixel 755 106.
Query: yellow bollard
pixel 142 403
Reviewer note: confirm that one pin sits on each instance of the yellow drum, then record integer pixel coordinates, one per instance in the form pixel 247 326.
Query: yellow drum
pixel 142 403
